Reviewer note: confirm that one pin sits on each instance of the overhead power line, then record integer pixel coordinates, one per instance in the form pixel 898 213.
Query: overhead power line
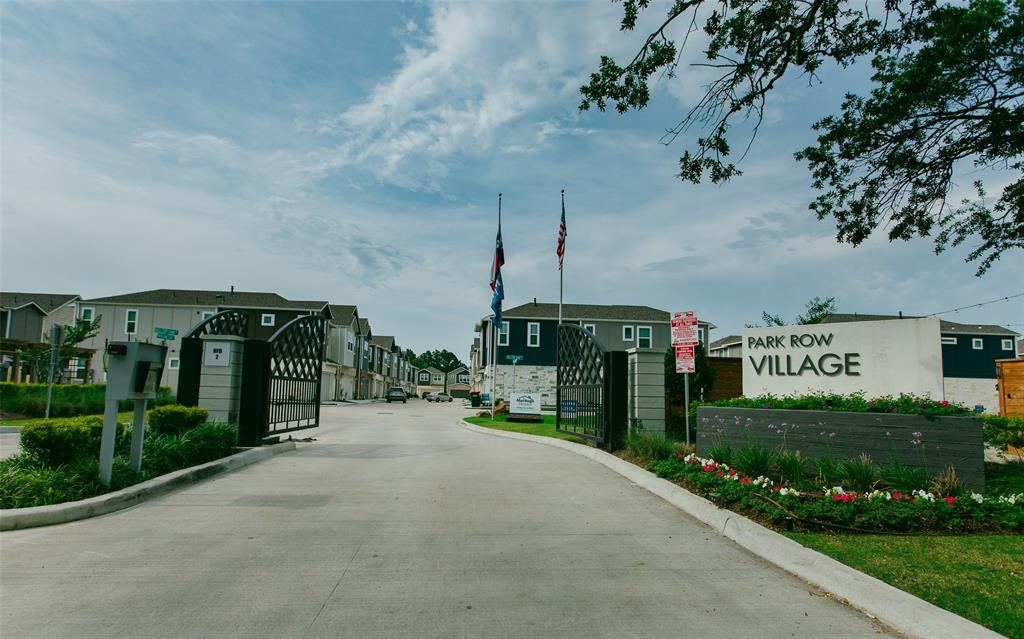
pixel 1001 299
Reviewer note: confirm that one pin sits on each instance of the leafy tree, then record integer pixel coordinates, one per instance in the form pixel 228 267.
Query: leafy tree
pixel 948 98
pixel 817 310
pixel 68 349
pixel 443 360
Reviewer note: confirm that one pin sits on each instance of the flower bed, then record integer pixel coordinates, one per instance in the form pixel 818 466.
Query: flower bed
pixel 782 506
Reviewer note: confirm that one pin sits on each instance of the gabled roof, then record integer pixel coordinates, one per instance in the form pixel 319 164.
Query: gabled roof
pixel 432 370
pixel 186 297
pixel 364 326
pixel 387 342
pixel 945 326
pixel 728 340
pixel 343 314
pixel 456 371
pixel 46 302
pixel 543 310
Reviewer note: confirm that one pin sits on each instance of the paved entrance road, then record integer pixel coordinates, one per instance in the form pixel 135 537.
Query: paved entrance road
pixel 396 523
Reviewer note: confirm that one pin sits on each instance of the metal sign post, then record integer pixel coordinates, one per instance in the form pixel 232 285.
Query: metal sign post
pixel 56 341
pixel 515 360
pixel 685 340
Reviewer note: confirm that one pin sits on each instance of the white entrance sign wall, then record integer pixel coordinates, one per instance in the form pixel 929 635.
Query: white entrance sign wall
pixel 877 358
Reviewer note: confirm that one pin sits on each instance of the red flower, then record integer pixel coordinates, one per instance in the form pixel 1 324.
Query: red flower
pixel 897 495
pixel 776 488
pixel 732 471
pixel 837 497
pixel 950 500
pixel 719 474
pixel 745 481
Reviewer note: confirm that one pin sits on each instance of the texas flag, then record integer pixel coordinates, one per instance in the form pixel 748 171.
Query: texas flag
pixel 496 284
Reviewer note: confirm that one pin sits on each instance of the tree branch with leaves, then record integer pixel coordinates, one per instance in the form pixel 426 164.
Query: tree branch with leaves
pixel 948 98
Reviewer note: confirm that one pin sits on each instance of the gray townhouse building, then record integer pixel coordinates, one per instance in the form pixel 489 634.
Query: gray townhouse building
pixel 135 316
pixel 25 322
pixel 529 332
pixel 343 355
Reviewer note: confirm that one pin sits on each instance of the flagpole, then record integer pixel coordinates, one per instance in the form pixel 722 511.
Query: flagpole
pixel 561 273
pixel 494 341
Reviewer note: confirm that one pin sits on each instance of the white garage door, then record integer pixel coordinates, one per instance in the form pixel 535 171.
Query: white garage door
pixel 327 387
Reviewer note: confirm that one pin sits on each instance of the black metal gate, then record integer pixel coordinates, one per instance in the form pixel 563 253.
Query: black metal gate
pixel 281 381
pixel 233 323
pixel 591 388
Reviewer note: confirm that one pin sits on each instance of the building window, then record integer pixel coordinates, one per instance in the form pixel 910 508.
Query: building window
pixel 1007 344
pixel 590 329
pixel 424 378
pixel 267 319
pixel 627 333
pixel 438 379
pixel 700 334
pixel 643 334
pixel 173 363
pixel 131 321
pixel 949 340
pixel 463 378
pixel 977 343
pixel 351 345
pixel 503 334
pixel 207 314
pixel 533 334
pixel 88 314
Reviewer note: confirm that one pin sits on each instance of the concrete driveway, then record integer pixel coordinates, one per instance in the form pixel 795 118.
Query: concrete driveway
pixel 396 523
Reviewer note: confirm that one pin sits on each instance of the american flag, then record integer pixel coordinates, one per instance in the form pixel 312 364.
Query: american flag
pixel 560 249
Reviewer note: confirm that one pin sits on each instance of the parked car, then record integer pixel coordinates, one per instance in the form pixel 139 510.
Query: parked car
pixel 439 397
pixel 396 394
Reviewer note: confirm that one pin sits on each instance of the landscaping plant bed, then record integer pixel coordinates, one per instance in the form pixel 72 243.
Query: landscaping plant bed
pixel 836 509
pixel 59 461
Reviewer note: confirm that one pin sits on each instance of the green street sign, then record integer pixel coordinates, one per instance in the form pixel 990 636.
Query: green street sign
pixel 166 333
pixel 513 358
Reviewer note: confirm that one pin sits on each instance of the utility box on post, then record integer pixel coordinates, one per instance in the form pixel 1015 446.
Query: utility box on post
pixel 134 371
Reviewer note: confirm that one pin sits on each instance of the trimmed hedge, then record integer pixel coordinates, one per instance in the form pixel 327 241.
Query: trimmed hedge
pixel 175 419
pixel 54 442
pixel 26 481
pixel 69 400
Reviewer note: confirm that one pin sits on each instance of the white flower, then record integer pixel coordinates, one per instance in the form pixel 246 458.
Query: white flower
pixel 976 497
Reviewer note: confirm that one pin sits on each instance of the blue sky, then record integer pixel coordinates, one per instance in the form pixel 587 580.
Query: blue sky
pixel 354 152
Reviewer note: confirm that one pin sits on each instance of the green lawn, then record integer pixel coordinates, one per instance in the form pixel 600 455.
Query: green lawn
pixel 123 417
pixel 545 429
pixel 980 578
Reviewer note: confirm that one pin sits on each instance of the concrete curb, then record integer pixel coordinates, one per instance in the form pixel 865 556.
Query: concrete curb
pixel 20 518
pixel 9 430
pixel 895 608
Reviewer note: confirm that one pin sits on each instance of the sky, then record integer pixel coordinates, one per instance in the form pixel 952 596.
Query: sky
pixel 354 152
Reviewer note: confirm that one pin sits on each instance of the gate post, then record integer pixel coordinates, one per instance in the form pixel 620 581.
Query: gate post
pixel 252 406
pixel 615 398
pixel 191 359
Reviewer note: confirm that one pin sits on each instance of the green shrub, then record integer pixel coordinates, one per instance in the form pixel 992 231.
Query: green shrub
pixel 830 473
pixel 755 461
pixel 903 477
pixel 69 400
pixel 860 474
pixel 175 419
pixel 1000 432
pixel 55 442
pixel 856 402
pixel 26 481
pixel 648 446
pixel 791 467
pixel 721 453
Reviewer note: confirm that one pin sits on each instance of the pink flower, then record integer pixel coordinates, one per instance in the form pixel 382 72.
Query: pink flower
pixel 776 488
pixel 745 481
pixel 950 500
pixel 897 495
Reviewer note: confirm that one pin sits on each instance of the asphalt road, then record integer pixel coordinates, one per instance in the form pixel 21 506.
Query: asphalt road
pixel 397 523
